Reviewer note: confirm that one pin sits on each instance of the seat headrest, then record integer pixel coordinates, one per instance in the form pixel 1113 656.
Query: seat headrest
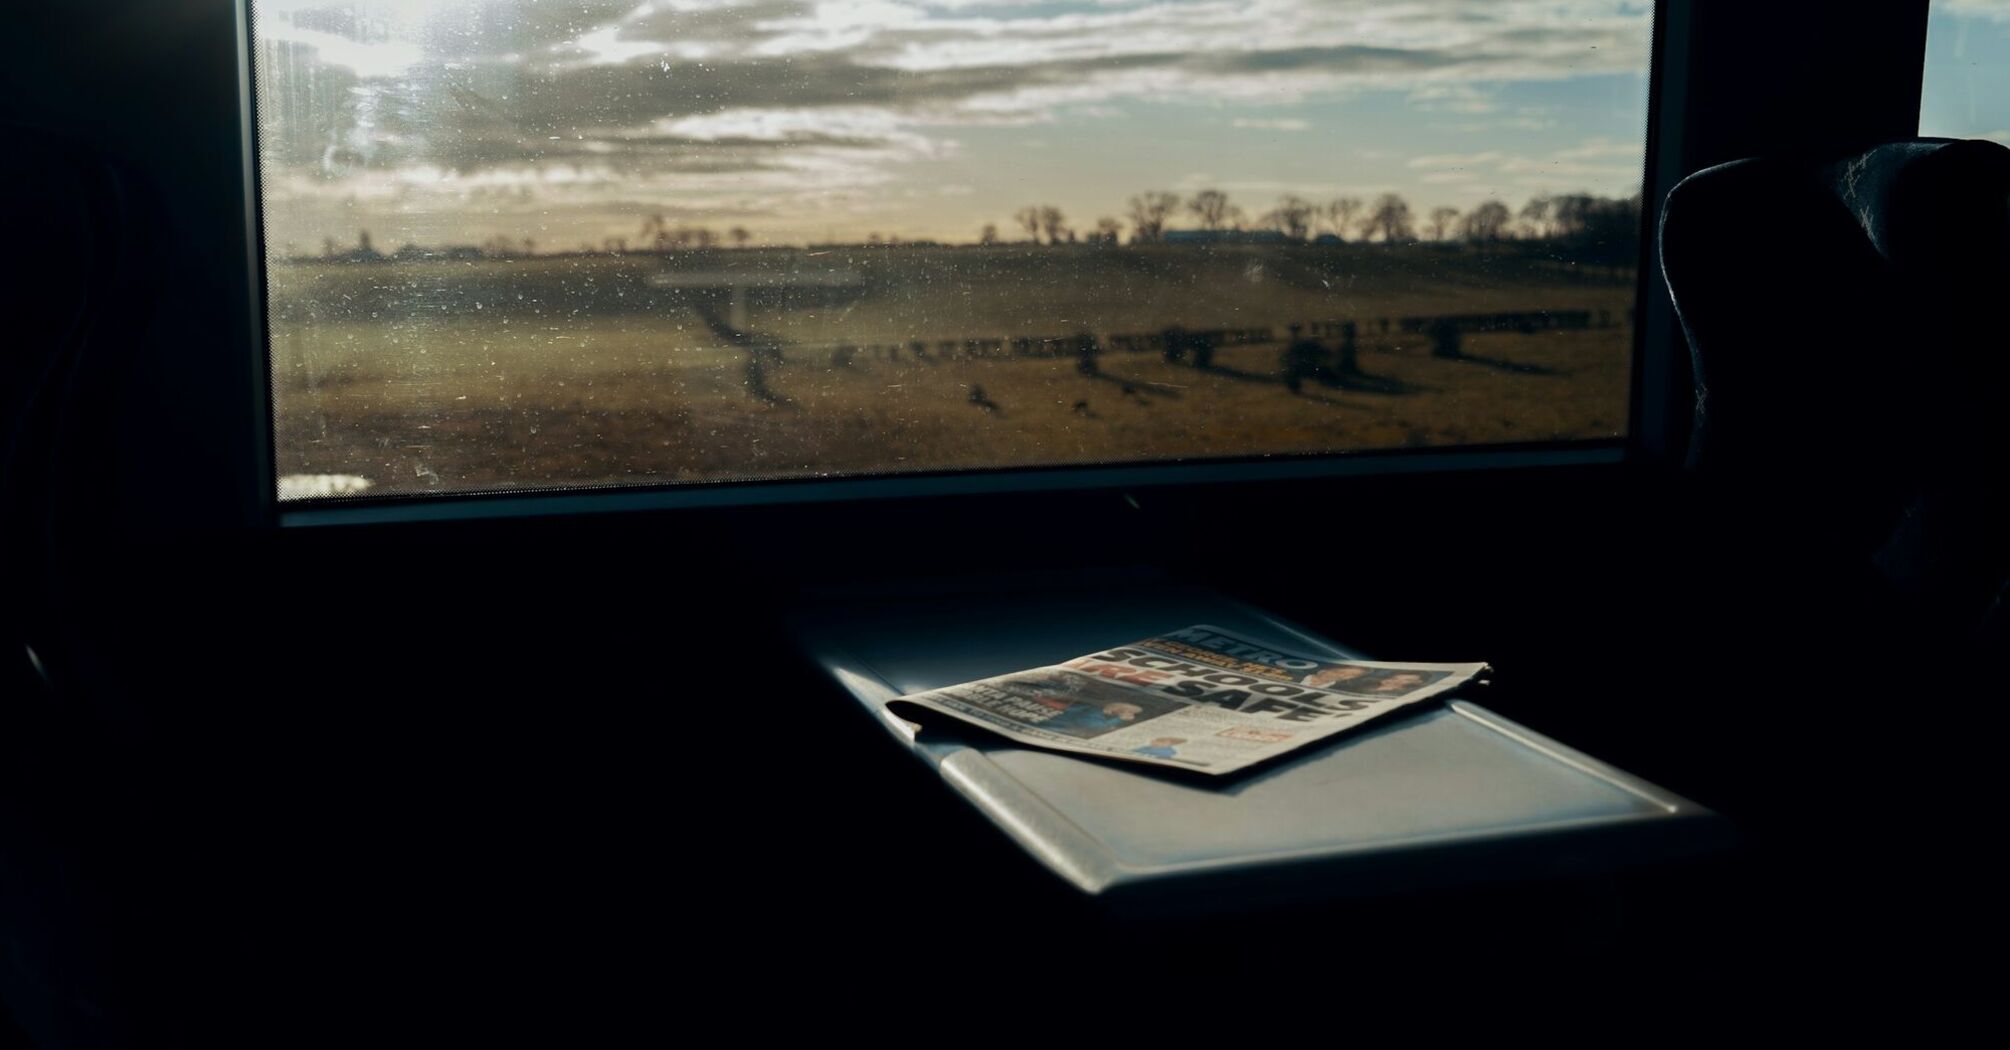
pixel 1843 318
pixel 1932 208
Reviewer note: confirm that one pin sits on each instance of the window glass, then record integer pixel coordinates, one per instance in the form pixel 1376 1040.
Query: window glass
pixel 519 244
pixel 1966 93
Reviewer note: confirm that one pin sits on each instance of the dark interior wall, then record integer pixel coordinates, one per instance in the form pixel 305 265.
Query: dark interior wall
pixel 310 777
pixel 153 89
pixel 1798 75
pixel 402 772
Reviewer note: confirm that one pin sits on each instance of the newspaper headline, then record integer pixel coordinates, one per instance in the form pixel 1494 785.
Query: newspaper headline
pixel 1200 699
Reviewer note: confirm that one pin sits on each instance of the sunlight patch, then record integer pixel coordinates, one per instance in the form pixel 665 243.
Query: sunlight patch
pixel 320 486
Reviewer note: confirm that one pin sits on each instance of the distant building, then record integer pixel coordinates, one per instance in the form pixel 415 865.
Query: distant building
pixel 412 252
pixel 1226 237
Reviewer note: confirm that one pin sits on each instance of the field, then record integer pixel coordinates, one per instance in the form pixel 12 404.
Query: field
pixel 486 374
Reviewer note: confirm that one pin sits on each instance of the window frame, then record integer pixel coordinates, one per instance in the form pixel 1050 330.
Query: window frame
pixel 1643 435
pixel 221 395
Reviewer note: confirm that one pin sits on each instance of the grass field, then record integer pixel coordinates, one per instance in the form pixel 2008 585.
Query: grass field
pixel 499 374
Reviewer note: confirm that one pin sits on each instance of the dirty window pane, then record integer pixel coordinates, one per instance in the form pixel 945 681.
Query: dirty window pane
pixel 1966 92
pixel 517 244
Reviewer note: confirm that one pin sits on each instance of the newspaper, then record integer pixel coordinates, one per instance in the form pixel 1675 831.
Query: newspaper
pixel 1198 699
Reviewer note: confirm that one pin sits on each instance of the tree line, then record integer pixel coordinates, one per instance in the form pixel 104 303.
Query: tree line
pixel 1599 229
pixel 1387 219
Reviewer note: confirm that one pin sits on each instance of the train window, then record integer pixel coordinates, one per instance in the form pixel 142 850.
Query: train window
pixel 516 246
pixel 1966 90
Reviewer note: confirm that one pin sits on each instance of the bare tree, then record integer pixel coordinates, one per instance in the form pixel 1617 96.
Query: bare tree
pixel 989 236
pixel 1211 208
pixel 1292 216
pixel 740 236
pixel 1342 213
pixel 1390 217
pixel 1488 223
pixel 1605 230
pixel 1535 217
pixel 1149 212
pixel 1569 214
pixel 1443 222
pixel 1053 222
pixel 1108 230
pixel 656 232
pixel 1028 219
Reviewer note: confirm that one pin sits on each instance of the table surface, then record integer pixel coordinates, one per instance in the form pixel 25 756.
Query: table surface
pixel 1448 774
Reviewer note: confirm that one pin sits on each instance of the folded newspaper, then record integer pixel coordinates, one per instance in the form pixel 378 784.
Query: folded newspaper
pixel 1198 699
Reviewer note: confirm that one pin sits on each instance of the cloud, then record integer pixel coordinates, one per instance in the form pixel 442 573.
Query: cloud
pixel 1523 121
pixel 1248 192
pixel 622 63
pixel 1271 123
pixel 1597 165
pixel 1599 162
pixel 1599 149
pixel 1452 97
pixel 495 113
pixel 1991 10
pixel 610 96
pixel 1490 158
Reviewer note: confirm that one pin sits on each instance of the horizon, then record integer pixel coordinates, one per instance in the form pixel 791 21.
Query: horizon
pixel 1320 231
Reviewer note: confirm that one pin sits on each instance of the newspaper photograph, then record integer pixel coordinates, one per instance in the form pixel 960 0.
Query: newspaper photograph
pixel 1199 699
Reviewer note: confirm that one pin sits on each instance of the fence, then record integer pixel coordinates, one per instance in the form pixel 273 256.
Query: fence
pixel 1178 342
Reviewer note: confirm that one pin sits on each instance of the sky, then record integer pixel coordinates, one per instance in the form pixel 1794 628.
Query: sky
pixel 1966 90
pixel 573 121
